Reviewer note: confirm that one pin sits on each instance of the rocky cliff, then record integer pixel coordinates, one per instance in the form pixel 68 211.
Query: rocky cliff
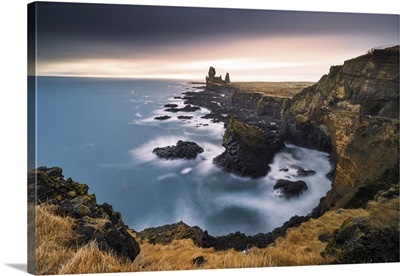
pixel 248 150
pixel 92 222
pixel 353 113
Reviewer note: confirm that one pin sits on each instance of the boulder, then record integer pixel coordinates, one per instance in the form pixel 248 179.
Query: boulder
pixel 160 118
pixel 303 172
pixel 182 150
pixel 290 188
pixel 186 108
pixel 185 117
pixel 199 261
pixel 171 105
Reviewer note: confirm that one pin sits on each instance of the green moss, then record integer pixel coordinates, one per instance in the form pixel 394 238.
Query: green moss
pixel 84 210
pixel 81 189
pixel 251 136
pixel 91 198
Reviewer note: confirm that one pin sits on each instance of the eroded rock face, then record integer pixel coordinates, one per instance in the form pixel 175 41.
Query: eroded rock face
pixel 352 113
pixel 248 150
pixel 93 222
pixel 182 150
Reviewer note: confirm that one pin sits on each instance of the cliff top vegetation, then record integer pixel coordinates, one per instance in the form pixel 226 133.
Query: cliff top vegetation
pixel 273 89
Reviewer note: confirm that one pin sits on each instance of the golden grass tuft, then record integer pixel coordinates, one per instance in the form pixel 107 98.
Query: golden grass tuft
pixel 384 215
pixel 53 238
pixel 302 246
pixel 89 259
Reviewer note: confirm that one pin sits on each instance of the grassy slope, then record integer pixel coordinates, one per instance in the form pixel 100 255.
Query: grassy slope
pixel 274 89
pixel 57 253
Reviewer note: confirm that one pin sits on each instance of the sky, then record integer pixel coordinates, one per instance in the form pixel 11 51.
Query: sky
pixel 137 41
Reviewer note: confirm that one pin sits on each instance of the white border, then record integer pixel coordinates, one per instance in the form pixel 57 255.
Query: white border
pixel 13 128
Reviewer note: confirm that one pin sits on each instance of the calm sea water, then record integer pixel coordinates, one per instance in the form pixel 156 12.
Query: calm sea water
pixel 102 133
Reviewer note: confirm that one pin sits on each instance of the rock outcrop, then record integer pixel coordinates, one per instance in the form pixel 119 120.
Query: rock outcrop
pixel 215 82
pixel 186 108
pixel 93 222
pixel 182 150
pixel 369 239
pixel 237 241
pixel 161 118
pixel 289 188
pixel 248 150
pixel 177 231
pixel 352 113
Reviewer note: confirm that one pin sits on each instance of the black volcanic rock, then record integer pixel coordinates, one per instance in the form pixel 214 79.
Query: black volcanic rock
pixel 171 105
pixel 72 199
pixel 237 241
pixel 303 172
pixel 182 150
pixel 357 242
pixel 199 260
pixel 290 188
pixel 186 108
pixel 248 150
pixel 185 117
pixel 167 233
pixel 160 118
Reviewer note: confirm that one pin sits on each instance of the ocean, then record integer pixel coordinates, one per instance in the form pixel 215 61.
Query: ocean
pixel 102 133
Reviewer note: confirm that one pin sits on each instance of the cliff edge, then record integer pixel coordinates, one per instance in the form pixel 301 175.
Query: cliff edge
pixel 354 110
pixel 91 222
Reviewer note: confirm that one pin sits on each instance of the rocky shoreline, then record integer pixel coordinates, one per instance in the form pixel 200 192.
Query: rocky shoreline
pixel 335 115
pixel 331 116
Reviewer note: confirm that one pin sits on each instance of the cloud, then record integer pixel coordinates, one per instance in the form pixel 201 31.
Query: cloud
pixel 149 41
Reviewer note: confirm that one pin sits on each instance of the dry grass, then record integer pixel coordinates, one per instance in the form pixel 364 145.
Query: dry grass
pixel 89 259
pixel 53 237
pixel 56 255
pixel 384 215
pixel 179 255
pixel 274 89
pixel 301 245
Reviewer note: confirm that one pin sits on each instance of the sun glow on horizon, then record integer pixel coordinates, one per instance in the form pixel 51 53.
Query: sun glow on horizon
pixel 239 69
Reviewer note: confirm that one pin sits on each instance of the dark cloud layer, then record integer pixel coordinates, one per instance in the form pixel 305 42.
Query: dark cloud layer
pixel 68 32
pixel 152 24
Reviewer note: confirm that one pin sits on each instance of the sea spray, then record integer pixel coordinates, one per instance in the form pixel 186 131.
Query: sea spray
pixel 121 168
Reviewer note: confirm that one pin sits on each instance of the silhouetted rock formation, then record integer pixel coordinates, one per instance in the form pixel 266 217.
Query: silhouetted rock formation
pixel 214 82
